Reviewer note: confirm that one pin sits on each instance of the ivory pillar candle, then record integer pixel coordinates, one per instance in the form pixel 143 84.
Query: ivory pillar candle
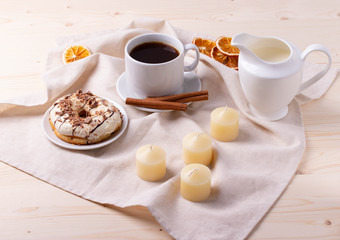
pixel 224 124
pixel 150 162
pixel 197 148
pixel 195 182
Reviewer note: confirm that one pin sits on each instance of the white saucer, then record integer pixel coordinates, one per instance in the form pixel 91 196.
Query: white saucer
pixel 191 83
pixel 47 129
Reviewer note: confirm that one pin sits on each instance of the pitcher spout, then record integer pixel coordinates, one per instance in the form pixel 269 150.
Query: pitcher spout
pixel 262 50
pixel 244 42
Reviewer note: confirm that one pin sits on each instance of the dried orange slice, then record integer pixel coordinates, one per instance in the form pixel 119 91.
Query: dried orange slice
pixel 74 53
pixel 232 62
pixel 204 45
pixel 224 45
pixel 218 56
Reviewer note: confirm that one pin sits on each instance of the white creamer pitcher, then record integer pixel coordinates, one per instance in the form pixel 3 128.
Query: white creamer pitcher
pixel 270 71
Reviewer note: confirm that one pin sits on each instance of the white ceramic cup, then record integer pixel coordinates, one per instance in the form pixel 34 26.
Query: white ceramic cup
pixel 158 79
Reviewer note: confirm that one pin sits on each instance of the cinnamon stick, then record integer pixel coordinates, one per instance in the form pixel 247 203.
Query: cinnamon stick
pixel 184 97
pixel 156 104
pixel 193 99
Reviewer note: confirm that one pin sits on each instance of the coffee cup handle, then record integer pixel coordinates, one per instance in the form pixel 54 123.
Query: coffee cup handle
pixel 317 77
pixel 194 64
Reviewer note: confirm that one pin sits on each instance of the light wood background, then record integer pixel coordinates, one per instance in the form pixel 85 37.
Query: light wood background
pixel 310 206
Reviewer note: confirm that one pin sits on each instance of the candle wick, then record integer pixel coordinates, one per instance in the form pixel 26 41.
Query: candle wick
pixel 192 172
pixel 199 134
pixel 150 147
pixel 224 112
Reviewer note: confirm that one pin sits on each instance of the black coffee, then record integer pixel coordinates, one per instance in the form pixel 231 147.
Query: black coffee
pixel 154 52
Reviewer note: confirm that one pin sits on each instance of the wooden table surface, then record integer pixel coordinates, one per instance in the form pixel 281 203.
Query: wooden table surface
pixel 310 206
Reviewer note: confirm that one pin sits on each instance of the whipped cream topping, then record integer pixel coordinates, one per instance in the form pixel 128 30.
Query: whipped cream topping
pixel 85 115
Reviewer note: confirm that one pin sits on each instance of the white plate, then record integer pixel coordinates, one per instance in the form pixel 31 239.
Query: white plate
pixel 191 83
pixel 47 129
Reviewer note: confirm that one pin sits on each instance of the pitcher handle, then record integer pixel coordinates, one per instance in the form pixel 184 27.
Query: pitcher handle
pixel 317 77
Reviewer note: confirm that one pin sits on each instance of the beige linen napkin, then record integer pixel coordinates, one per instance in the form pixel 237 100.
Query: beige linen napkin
pixel 248 175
